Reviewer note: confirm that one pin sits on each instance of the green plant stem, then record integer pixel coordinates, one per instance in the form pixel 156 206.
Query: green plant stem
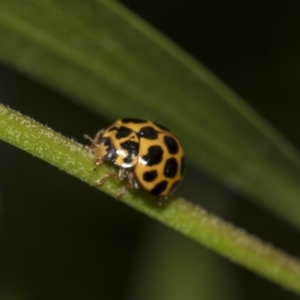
pixel 178 214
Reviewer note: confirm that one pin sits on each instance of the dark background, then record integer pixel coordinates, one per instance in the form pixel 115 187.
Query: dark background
pixel 61 241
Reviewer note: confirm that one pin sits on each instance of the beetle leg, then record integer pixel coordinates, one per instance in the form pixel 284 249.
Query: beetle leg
pixel 123 174
pixel 102 179
pixel 133 183
pixel 121 191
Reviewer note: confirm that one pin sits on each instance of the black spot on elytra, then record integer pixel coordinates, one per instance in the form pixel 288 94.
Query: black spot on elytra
pixel 133 120
pixel 123 132
pixel 159 188
pixel 162 127
pixel 111 154
pixel 131 147
pixel 148 132
pixel 154 156
pixel 150 176
pixel 182 166
pixel 171 144
pixel 171 168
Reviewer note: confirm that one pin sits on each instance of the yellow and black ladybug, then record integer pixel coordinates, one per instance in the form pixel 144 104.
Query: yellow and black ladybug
pixel 148 155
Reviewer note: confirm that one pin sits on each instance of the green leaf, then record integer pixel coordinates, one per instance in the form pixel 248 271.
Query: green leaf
pixel 178 214
pixel 114 63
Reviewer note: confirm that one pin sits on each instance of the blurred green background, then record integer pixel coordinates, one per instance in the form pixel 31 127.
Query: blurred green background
pixel 61 239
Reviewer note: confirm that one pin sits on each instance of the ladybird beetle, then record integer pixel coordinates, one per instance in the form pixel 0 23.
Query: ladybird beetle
pixel 148 155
